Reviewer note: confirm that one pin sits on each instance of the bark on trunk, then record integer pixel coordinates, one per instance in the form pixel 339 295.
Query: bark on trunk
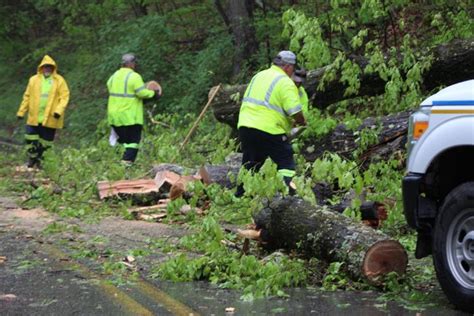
pixel 294 224
pixel 343 141
pixel 453 62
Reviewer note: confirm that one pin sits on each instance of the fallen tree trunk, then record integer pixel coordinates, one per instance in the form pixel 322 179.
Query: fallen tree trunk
pixel 452 63
pixel 344 141
pixel 294 224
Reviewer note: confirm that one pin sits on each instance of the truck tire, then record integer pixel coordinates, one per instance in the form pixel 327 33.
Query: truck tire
pixel 453 246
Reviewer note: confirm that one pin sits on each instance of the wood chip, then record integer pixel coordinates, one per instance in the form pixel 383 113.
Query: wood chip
pixel 129 258
pixel 230 310
pixel 7 297
pixel 249 233
pixel 159 208
pixel 151 217
pixel 3 259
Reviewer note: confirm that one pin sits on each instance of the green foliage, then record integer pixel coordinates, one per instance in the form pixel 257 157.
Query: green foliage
pixel 453 24
pixel 317 125
pixel 306 38
pixel 381 179
pixel 257 278
pixel 335 277
pixel 365 138
pixel 265 184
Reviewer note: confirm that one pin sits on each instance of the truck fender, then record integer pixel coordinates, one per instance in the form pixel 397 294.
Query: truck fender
pixel 458 131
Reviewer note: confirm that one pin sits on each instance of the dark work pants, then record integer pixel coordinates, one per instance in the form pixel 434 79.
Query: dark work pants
pixel 257 146
pixel 38 140
pixel 129 136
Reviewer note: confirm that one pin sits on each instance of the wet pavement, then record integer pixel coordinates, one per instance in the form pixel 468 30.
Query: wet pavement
pixel 39 277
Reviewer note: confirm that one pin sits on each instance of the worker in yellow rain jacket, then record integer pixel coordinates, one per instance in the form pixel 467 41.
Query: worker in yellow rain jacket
pixel 125 106
pixel 45 99
pixel 270 107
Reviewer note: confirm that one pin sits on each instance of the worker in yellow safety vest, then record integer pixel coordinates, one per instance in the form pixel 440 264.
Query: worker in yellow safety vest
pixel 125 106
pixel 270 107
pixel 45 99
pixel 299 77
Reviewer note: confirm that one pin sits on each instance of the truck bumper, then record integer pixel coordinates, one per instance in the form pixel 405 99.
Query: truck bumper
pixel 411 192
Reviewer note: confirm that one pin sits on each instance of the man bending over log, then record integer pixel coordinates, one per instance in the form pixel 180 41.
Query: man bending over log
pixel 270 104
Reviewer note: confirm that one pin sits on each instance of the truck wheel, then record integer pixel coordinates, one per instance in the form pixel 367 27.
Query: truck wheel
pixel 453 246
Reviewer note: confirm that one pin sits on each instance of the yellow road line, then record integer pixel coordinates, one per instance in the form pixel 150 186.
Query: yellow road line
pixel 117 296
pixel 160 297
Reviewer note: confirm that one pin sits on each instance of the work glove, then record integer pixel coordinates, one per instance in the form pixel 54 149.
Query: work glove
pixel 56 115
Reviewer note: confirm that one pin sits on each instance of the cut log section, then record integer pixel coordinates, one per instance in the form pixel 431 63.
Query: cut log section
pixel 294 224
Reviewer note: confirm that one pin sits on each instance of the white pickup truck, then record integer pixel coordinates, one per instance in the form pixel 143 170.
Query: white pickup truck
pixel 438 189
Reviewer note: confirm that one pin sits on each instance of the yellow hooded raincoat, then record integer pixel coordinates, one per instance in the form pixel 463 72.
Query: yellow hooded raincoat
pixel 58 98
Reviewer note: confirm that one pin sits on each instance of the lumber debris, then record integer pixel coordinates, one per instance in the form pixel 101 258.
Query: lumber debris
pixel 179 187
pixel 164 180
pixel 126 187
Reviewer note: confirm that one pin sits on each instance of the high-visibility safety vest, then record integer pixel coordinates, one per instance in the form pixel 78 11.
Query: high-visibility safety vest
pixel 304 100
pixel 126 91
pixel 46 84
pixel 269 102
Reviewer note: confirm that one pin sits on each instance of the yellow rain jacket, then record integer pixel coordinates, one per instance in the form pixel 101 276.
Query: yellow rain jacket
pixel 58 98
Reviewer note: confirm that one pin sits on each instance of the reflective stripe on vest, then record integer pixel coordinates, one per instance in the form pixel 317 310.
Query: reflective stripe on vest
pixel 140 89
pixel 268 95
pixel 44 95
pixel 124 94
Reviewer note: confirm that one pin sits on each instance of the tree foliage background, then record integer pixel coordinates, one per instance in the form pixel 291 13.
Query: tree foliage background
pixel 190 46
